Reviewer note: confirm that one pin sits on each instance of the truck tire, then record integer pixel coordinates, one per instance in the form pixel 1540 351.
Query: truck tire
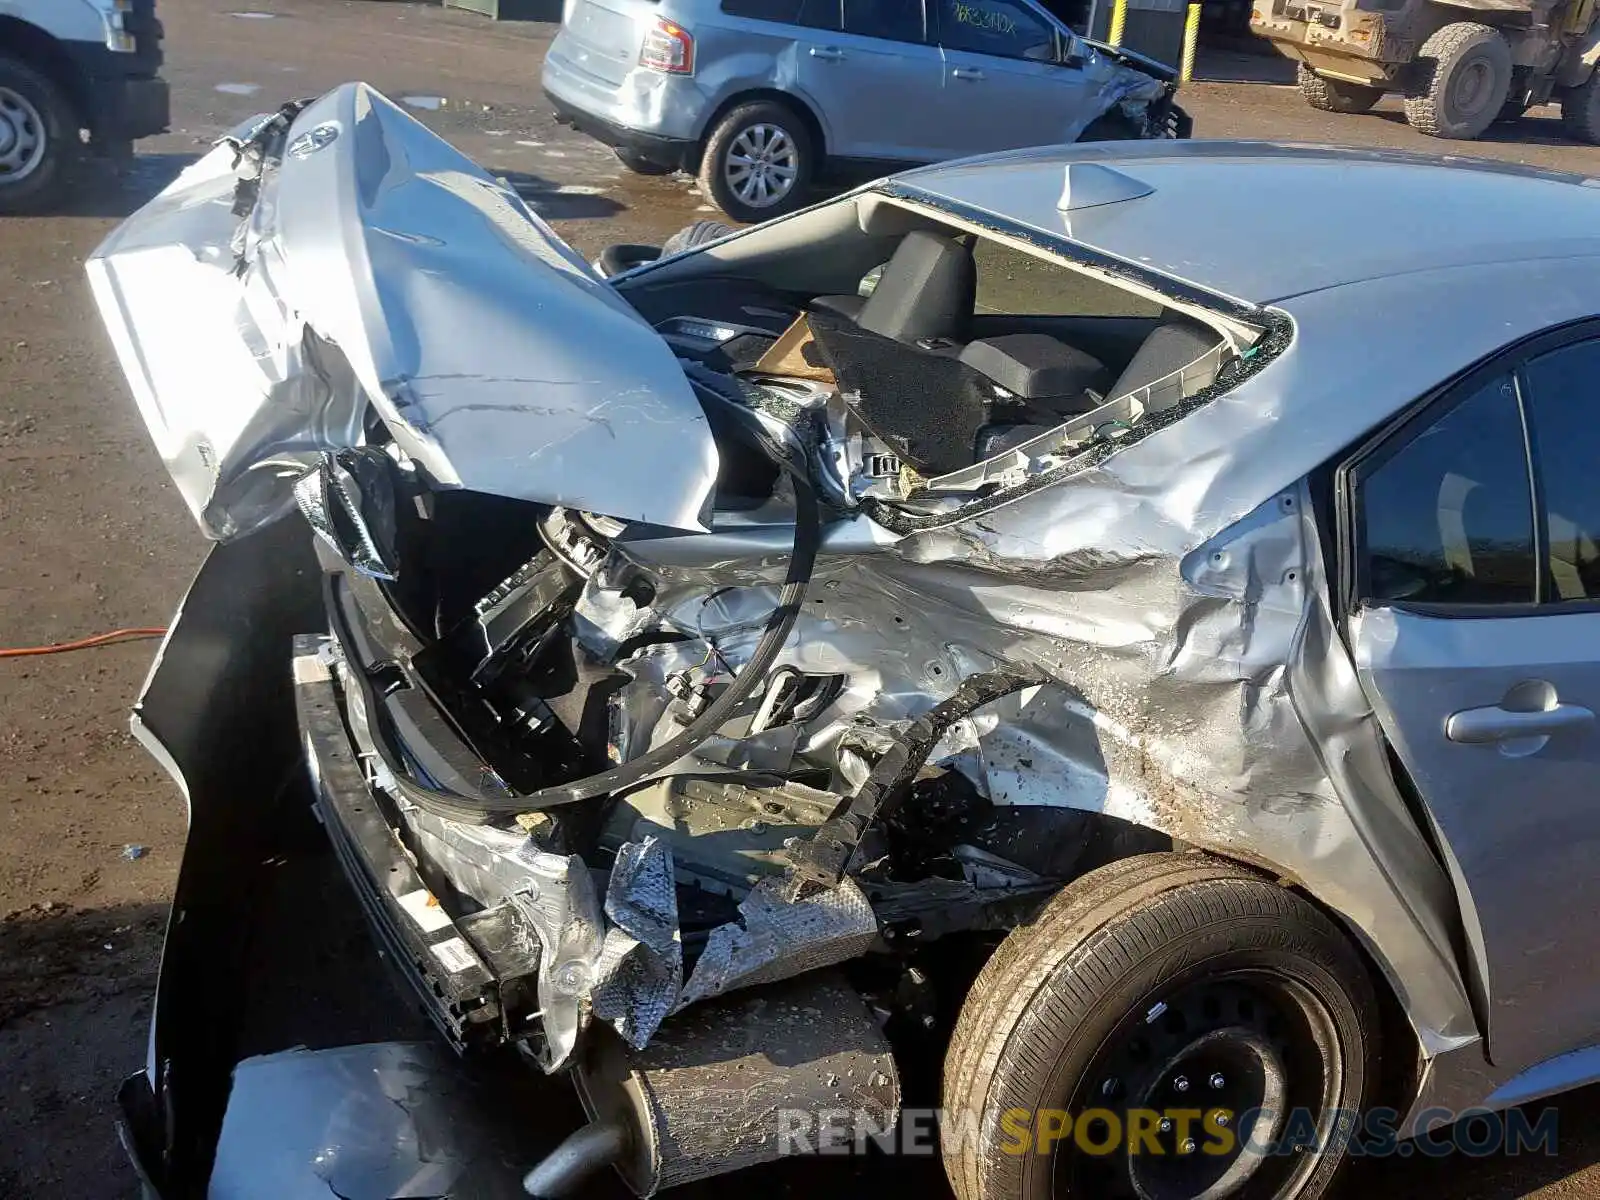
pixel 1462 79
pixel 1335 95
pixel 758 161
pixel 1580 110
pixel 1162 982
pixel 39 143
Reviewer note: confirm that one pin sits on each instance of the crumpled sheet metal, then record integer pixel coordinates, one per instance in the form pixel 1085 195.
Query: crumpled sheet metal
pixel 238 394
pixel 381 271
pixel 1174 591
pixel 623 963
pixel 775 939
pixel 1113 86
pixel 640 966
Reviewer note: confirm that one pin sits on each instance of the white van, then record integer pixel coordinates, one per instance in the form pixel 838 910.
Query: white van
pixel 77 77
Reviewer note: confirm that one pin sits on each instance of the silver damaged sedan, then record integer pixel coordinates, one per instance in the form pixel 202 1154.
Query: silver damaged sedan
pixel 1112 619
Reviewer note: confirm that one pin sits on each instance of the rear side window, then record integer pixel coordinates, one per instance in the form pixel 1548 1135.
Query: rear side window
pixel 893 20
pixel 1001 28
pixel 821 14
pixel 1561 393
pixel 1447 518
pixel 1020 285
pixel 786 11
pixel 813 14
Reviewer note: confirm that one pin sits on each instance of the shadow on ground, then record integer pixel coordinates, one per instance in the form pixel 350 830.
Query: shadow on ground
pixel 558 202
pixel 1233 66
pixel 1541 127
pixel 75 989
pixel 101 191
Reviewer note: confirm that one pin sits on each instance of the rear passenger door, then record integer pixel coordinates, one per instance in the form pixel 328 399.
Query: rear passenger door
pixel 1472 539
pixel 869 67
pixel 1002 86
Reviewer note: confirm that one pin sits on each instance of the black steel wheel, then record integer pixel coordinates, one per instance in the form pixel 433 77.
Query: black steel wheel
pixel 1169 1027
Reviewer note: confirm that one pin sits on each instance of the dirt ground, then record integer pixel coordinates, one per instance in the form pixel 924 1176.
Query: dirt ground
pixel 90 830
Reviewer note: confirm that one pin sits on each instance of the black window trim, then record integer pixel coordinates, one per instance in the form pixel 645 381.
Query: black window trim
pixel 933 22
pixel 923 6
pixel 1354 583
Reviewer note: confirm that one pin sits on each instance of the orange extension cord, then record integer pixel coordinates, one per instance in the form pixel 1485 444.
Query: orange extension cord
pixel 99 639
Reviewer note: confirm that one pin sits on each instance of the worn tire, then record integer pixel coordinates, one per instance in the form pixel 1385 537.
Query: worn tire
pixel 624 256
pixel 46 181
pixel 1035 1021
pixel 697 234
pixel 640 165
pixel 1335 95
pixel 1460 56
pixel 714 180
pixel 1580 110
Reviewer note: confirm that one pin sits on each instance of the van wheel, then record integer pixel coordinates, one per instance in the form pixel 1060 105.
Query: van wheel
pixel 1463 77
pixel 1335 95
pixel 757 162
pixel 640 165
pixel 1580 110
pixel 38 139
pixel 1150 988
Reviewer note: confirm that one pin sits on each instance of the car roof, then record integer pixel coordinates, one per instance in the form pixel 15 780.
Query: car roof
pixel 1261 222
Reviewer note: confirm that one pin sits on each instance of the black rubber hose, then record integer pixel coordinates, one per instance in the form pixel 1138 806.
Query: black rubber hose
pixel 479 807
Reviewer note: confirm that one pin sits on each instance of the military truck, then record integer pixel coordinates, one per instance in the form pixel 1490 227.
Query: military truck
pixel 1461 65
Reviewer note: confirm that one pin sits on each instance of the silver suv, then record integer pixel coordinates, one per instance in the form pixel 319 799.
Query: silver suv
pixel 761 97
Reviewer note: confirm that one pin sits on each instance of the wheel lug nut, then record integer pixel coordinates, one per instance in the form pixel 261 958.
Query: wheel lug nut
pixel 1166 1125
pixel 1217 1080
pixel 1181 1083
pixel 1187 1147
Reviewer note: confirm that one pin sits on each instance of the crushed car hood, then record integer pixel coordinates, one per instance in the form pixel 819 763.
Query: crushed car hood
pixel 337 271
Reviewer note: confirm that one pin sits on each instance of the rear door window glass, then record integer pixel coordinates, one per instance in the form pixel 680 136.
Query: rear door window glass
pixel 892 20
pixel 785 11
pixel 1561 391
pixel 996 27
pixel 821 14
pixel 1448 517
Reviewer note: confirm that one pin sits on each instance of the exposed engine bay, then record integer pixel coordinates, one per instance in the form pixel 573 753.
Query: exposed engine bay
pixel 690 634
pixel 682 764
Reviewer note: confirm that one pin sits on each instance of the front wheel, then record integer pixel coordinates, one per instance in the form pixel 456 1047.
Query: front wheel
pixel 758 162
pixel 38 139
pixel 1170 1026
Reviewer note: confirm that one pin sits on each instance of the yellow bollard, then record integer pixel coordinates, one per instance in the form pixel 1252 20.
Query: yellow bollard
pixel 1119 13
pixel 1191 36
pixel 1191 39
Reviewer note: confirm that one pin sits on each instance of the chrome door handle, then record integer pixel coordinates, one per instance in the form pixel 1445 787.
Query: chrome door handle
pixel 828 53
pixel 1481 726
pixel 966 72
